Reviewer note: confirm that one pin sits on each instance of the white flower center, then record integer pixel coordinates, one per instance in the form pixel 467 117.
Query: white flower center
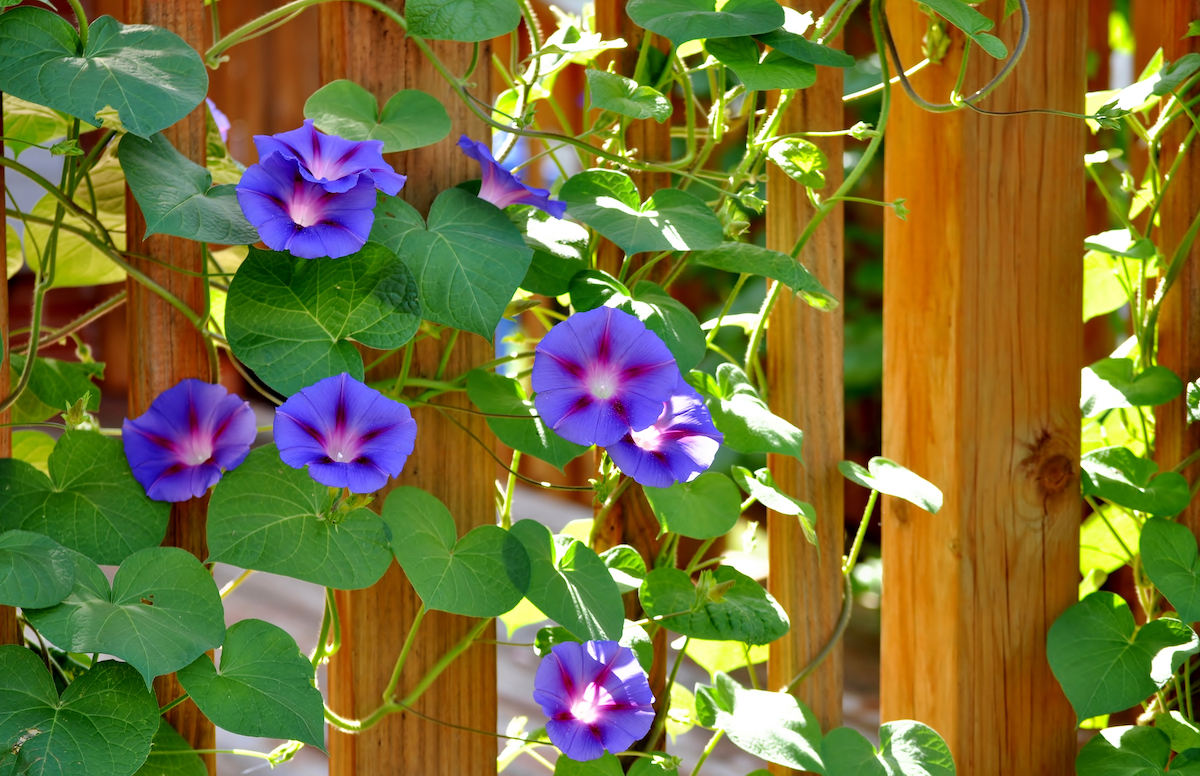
pixel 603 382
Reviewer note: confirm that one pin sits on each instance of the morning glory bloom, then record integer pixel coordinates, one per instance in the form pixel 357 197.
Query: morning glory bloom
pixel 677 448
pixel 596 696
pixel 502 188
pixel 192 431
pixel 348 434
pixel 336 164
pixel 599 374
pixel 295 215
pixel 220 119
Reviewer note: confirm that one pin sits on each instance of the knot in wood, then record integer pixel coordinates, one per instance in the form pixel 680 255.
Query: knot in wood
pixel 1050 469
pixel 1054 475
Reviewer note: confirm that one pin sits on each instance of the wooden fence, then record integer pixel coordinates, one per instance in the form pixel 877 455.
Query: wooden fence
pixel 983 344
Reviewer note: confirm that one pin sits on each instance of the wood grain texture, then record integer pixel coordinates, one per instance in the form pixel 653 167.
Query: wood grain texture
pixel 10 632
pixel 361 45
pixel 164 347
pixel 804 375
pixel 1179 324
pixel 982 310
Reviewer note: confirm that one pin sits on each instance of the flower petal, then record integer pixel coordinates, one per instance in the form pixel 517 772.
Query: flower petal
pixel 332 162
pixel 502 188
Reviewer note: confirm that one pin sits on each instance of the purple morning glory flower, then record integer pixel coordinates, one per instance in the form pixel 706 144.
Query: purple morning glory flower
pixel 596 696
pixel 677 448
pixel 336 164
pixel 348 434
pixel 220 119
pixel 295 215
pixel 601 373
pixel 192 431
pixel 502 188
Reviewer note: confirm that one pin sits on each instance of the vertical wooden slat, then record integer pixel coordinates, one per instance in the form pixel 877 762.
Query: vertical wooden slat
pixel 804 375
pixel 10 633
pixel 1179 324
pixel 359 44
pixel 982 290
pixel 164 347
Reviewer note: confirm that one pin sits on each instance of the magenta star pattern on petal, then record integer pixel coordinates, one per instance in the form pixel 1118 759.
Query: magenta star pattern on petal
pixel 600 374
pixel 596 696
pixel 192 431
pixel 677 448
pixel 502 188
pixel 348 434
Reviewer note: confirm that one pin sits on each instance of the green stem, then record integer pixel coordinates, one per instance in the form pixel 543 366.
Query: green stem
pixel 861 534
pixel 660 719
pixel 81 17
pixel 506 513
pixel 838 631
pixel 389 693
pixel 708 749
pixel 173 704
pixel 444 662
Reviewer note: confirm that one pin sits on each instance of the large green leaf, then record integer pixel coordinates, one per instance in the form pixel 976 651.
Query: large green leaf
pixel 736 608
pixel 1105 663
pixel 1184 734
pixel 1127 750
pixel 410 118
pixel 684 20
pixel 178 197
pixel 972 22
pixel 102 725
pixel 1110 384
pixel 14 255
pixel 35 570
pixel 888 477
pixel 790 40
pixel 90 503
pixel 264 686
pixel 502 395
pixel 670 319
pixel 464 20
pixel 801 160
pixel 1117 475
pixel 171 755
pixel 483 574
pixel 610 91
pixel 775 726
pixel 906 748
pixel 570 583
pixel 670 220
pixel 1170 559
pixel 704 508
pixel 756 260
pixel 606 765
pixel 742 416
pixel 763 487
pixel 149 75
pixel 560 249
pixel 34 448
pixel 776 70
pixel 54 386
pixel 267 516
pixel 295 321
pixel 161 612
pixel 467 262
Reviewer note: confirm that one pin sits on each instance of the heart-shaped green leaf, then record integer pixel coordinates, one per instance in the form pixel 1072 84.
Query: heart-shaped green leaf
pixel 570 583
pixel 148 75
pixel 763 487
pixel 1170 559
pixel 626 565
pixel 1121 243
pixel 295 321
pixel 776 70
pixel 467 262
pixel 742 416
pixel 103 723
pixel 906 748
pixel 684 20
pixel 972 22
pixel 1105 663
pixel 53 387
pixel 178 197
pixel 171 755
pixel 756 260
pixel 34 448
pixel 801 160
pixel 889 477
pixel 704 508
pixel 670 220
pixel 775 726
pixel 1127 750
pixel 464 20
pixel 606 765
pixel 264 687
pixel 410 118
pixel 267 516
pixel 35 570
pixel 560 249
pixel 161 613
pixel 90 503
pixel 1183 733
pixel 505 396
pixel 741 611
pixel 1117 475
pixel 624 96
pixel 1110 384
pixel 483 574
pixel 790 40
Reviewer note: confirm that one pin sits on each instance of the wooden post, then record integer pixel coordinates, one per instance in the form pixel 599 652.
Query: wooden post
pixel 982 309
pixel 10 632
pixel 359 44
pixel 804 375
pixel 1179 323
pixel 164 347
